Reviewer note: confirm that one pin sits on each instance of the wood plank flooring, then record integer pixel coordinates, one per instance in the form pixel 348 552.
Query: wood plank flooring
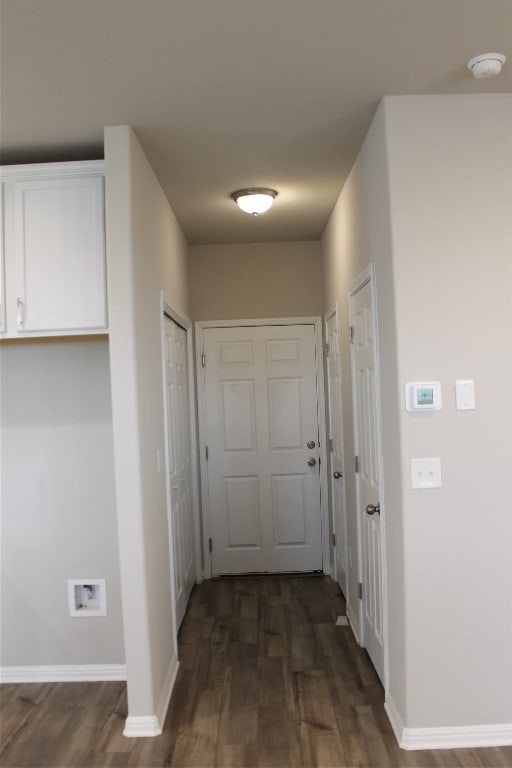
pixel 266 680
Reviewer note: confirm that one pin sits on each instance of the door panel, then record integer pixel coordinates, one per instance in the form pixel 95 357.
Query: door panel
pixel 336 455
pixel 261 410
pixel 238 411
pixel 367 479
pixel 179 467
pixel 288 510
pixel 243 511
pixel 284 400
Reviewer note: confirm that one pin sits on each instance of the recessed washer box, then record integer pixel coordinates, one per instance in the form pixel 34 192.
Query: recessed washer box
pixel 87 597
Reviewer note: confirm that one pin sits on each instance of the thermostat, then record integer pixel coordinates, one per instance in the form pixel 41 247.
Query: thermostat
pixel 423 396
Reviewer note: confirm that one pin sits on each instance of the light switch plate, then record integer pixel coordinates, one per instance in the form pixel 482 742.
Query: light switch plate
pixel 426 473
pixel 465 394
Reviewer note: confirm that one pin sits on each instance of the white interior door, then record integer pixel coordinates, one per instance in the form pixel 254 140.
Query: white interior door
pixel 367 478
pixel 179 467
pixel 336 450
pixel 261 425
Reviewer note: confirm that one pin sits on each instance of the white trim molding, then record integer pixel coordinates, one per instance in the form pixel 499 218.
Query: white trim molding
pixel 317 323
pixel 353 623
pixel 166 693
pixel 448 737
pixel 140 726
pixel 63 673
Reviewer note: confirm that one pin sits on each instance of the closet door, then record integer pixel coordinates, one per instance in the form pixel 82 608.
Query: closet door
pixel 179 466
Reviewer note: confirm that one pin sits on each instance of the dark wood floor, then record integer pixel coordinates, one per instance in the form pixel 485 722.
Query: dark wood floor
pixel 266 679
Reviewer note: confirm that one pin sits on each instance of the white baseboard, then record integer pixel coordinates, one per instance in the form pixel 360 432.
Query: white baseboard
pixel 395 719
pixel 354 623
pixel 451 737
pixel 143 726
pixel 152 725
pixel 63 673
pixel 165 696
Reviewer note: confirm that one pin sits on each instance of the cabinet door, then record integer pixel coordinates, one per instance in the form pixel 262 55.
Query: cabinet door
pixel 59 244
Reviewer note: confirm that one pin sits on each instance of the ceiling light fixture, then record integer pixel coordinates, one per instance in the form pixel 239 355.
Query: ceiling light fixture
pixel 255 200
pixel 486 65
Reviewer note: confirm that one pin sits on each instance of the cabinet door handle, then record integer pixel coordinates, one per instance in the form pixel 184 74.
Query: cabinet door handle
pixel 20 314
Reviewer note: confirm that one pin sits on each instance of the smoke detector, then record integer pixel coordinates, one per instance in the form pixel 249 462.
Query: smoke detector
pixel 486 65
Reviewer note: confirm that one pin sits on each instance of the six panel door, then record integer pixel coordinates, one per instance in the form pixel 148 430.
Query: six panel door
pixel 367 479
pixel 263 456
pixel 179 467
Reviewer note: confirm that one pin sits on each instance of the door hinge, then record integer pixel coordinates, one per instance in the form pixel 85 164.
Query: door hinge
pixel 352 335
pixel 203 360
pixel 327 350
pixel 210 546
pixel 359 590
pixel 356 463
pixel 206 453
pixel 330 444
pixel 334 539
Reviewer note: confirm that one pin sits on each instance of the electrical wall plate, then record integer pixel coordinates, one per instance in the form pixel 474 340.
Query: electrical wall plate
pixel 426 473
pixel 423 396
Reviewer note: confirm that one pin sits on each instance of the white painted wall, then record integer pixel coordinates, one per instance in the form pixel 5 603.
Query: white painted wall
pixel 450 161
pixel 247 280
pixel 430 201
pixel 146 253
pixel 358 233
pixel 58 503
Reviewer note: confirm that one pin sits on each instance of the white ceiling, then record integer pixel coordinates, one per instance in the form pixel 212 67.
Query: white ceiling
pixel 233 93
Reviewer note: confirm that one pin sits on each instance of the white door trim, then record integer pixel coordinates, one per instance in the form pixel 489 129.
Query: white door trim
pixel 368 274
pixel 182 320
pixel 335 311
pixel 316 321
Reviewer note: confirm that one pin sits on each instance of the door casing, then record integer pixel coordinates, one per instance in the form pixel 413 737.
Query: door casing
pixel 201 397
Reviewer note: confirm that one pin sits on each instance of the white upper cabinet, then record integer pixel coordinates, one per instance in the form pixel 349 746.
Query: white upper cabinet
pixel 54 242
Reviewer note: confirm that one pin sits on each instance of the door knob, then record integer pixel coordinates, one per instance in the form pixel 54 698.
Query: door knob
pixel 371 509
pixel 311 462
pixel 310 443
pixel 337 475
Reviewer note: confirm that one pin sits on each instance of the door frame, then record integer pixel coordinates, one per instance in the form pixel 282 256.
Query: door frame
pixel 316 322
pixel 167 310
pixel 335 312
pixel 368 275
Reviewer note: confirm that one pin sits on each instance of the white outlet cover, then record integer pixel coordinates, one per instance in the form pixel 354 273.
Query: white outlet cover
pixel 426 473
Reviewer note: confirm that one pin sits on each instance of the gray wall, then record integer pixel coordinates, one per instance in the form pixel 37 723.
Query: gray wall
pixel 247 280
pixel 58 504
pixel 450 161
pixel 146 254
pixel 438 170
pixel 358 233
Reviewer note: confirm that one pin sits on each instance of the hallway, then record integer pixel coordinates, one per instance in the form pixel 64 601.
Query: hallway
pixel 266 679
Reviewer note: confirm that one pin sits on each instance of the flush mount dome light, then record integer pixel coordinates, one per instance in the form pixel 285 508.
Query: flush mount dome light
pixel 255 200
pixel 486 65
